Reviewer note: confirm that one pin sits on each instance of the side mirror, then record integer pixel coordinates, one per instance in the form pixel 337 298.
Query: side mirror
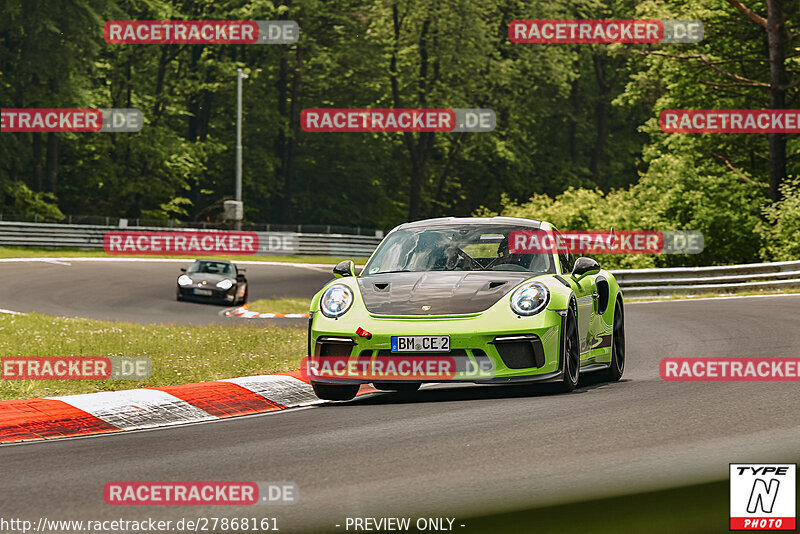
pixel 183 270
pixel 345 268
pixel 584 266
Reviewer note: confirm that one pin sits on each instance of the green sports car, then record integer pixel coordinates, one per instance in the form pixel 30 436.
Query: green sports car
pixel 458 291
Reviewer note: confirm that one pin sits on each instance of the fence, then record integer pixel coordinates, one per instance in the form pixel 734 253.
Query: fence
pixel 159 224
pixel 647 283
pixel 90 237
pixel 635 283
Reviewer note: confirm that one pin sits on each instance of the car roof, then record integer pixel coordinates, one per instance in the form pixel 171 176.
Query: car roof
pixel 461 221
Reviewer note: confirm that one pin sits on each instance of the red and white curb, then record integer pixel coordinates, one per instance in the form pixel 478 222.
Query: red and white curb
pixel 136 409
pixel 243 313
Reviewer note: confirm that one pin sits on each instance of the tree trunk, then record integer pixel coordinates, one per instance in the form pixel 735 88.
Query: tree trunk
pixel 777 94
pixel 280 139
pixel 419 147
pixel 38 171
pixel 290 153
pixel 601 117
pixel 417 179
pixel 52 161
pixel 573 124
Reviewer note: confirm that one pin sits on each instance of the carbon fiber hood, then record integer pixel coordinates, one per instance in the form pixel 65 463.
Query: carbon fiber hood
pixel 445 292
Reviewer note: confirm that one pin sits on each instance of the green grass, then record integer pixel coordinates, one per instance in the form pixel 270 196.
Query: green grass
pixel 280 305
pixel 180 354
pixel 9 252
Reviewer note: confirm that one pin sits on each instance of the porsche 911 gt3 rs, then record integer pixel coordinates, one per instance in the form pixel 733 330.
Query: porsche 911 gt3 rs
pixel 453 287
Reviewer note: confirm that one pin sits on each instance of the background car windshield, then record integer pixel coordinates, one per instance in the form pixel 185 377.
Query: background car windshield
pixel 456 248
pixel 212 267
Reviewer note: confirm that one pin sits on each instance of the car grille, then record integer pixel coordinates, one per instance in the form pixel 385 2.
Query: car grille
pixel 332 346
pixel 520 351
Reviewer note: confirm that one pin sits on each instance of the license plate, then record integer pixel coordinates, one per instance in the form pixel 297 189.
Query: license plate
pixel 420 343
pixel 203 292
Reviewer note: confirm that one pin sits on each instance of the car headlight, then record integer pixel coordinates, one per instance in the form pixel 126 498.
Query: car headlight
pixel 225 284
pixel 184 280
pixel 530 298
pixel 336 300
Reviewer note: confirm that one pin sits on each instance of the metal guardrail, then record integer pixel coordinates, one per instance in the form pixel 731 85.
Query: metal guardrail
pixel 90 237
pixel 635 283
pixel 667 282
pixel 121 222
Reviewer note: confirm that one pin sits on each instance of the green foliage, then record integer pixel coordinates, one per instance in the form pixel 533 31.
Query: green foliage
pixel 677 192
pixel 20 200
pixel 576 133
pixel 585 209
pixel 781 227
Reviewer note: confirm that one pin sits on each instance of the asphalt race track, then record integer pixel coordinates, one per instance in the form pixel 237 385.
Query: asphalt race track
pixel 453 451
pixel 140 291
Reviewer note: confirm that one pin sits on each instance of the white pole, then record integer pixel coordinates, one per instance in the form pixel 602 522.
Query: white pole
pixel 239 77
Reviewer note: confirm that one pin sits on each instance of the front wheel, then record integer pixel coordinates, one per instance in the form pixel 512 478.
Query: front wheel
pixel 335 392
pixel 617 366
pixel 244 297
pixel 572 355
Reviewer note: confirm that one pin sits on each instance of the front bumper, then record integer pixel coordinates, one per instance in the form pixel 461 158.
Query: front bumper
pixel 519 349
pixel 227 296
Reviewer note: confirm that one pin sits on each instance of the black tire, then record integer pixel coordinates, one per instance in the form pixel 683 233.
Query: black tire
pixel 400 387
pixel 335 392
pixel 243 300
pixel 617 367
pixel 572 355
pixel 178 296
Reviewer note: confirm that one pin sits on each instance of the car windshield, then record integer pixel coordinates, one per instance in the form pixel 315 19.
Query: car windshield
pixel 212 267
pixel 469 247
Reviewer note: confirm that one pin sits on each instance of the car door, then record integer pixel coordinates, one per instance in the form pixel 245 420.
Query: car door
pixel 586 294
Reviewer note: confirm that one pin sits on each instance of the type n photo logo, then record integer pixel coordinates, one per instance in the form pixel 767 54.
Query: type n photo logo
pixel 763 496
